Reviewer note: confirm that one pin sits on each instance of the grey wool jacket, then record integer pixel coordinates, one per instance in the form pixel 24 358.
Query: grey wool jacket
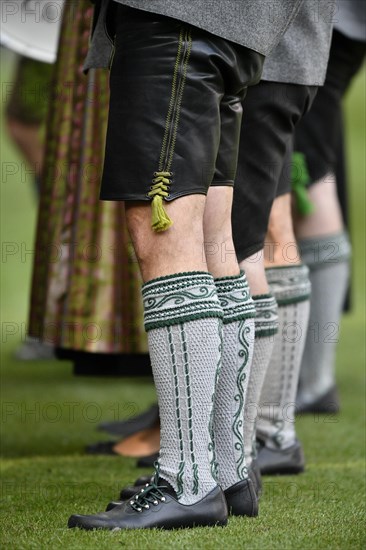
pixel 301 57
pixel 255 24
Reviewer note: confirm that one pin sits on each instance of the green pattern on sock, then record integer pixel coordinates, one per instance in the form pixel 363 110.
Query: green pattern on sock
pixel 235 298
pixel 290 285
pixel 184 359
pixel 241 468
pixel 211 446
pixel 266 320
pixel 177 413
pixel 238 339
pixel 189 403
pixel 325 251
pixel 177 299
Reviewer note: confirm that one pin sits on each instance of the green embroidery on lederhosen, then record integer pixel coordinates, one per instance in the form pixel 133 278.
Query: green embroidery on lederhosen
pixel 162 177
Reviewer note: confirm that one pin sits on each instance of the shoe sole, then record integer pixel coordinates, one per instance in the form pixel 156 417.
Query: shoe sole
pixel 283 471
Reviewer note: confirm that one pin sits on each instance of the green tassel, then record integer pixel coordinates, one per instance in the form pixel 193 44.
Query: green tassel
pixel 160 220
pixel 300 179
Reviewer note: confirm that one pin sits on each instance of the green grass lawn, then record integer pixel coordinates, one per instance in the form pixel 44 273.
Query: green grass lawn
pixel 48 415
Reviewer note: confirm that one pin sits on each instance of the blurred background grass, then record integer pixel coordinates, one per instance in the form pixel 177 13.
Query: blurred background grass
pixel 48 415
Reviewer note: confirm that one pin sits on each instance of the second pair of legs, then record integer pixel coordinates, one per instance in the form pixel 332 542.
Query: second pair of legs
pixel 200 321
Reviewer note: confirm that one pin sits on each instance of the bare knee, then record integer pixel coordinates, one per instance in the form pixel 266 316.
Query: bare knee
pixel 219 246
pixel 326 218
pixel 178 249
pixel 253 266
pixel 280 245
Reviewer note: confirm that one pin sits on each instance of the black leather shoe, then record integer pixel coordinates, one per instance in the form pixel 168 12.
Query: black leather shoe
pixel 101 448
pixel 157 506
pixel 113 504
pixel 280 461
pixel 147 461
pixel 124 428
pixel 255 476
pixel 241 499
pixel 327 403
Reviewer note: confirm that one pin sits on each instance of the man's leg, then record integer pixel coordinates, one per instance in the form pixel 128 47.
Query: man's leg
pixel 260 174
pixel 317 138
pixel 182 312
pixel 237 352
pixel 237 344
pixel 174 251
pixel 288 280
pixel 266 327
pixel 182 316
pixel 325 249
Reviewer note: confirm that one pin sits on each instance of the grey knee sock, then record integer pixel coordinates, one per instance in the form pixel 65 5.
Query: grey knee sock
pixel 237 350
pixel 266 326
pixel 291 288
pixel 183 318
pixel 328 261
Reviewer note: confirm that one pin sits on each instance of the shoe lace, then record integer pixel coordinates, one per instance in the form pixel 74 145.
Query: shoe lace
pixel 151 494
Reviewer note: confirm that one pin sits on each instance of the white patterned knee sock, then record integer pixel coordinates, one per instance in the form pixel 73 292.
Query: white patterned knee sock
pixel 276 419
pixel 266 326
pixel 328 261
pixel 183 318
pixel 237 351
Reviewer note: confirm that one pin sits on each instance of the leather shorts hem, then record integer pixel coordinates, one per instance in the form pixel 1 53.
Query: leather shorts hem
pixel 244 253
pixel 141 197
pixel 226 183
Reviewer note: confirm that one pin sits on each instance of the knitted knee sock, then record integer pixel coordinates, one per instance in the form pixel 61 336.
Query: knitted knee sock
pixel 266 326
pixel 291 288
pixel 237 350
pixel 328 261
pixel 183 318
